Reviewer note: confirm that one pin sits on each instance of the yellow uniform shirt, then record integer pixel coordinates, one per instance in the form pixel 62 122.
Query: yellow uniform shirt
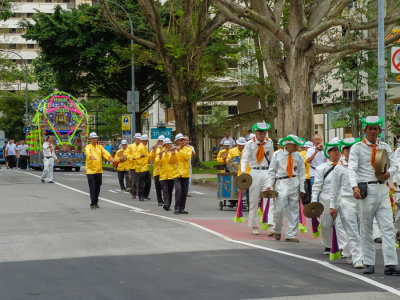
pixel 142 163
pixel 156 162
pixel 183 157
pixel 122 165
pixel 235 152
pixel 307 165
pixel 219 158
pixel 130 152
pixel 168 165
pixel 98 152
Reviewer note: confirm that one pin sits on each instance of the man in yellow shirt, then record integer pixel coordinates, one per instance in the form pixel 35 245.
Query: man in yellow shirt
pixel 130 152
pixel 181 178
pixel 94 167
pixel 168 165
pixel 156 171
pixel 303 151
pixel 223 153
pixel 142 170
pixel 123 166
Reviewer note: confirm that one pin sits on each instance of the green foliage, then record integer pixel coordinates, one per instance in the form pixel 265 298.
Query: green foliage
pixel 5 10
pixel 82 55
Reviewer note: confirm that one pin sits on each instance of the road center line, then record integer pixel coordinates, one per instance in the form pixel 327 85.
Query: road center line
pixel 321 262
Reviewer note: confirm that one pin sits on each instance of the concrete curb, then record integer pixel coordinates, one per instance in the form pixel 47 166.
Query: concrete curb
pixel 205 183
pixel 110 169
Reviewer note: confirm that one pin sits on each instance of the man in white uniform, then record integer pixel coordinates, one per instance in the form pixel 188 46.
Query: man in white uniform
pixel 258 153
pixel 48 160
pixel 322 189
pixel 315 156
pixel 376 202
pixel 287 171
pixel 342 200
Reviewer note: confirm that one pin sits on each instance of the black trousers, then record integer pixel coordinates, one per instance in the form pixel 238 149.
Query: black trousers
pixel 134 182
pixel 167 187
pixel 121 176
pixel 307 196
pixel 158 188
pixel 144 180
pixel 181 189
pixel 12 161
pixel 94 181
pixel 23 161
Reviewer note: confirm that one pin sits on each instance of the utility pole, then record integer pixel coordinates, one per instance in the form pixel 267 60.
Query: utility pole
pixel 381 64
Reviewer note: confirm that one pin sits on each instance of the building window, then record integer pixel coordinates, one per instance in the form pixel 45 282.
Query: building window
pixel 232 110
pixel 31 46
pixel 205 110
pixel 314 97
pixel 12 30
pixel 48 1
pixel 65 1
pixel 29 61
pixel 348 96
pixel 29 15
pixel 12 46
pixel 232 64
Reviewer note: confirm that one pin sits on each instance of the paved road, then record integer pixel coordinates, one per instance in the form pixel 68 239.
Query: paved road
pixel 54 247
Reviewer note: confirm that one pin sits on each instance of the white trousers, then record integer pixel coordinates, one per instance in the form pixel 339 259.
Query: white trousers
pixel 350 217
pixel 377 204
pixel 48 169
pixel 258 185
pixel 288 198
pixel 326 226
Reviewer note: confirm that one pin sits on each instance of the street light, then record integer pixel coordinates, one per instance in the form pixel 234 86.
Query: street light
pixel 26 81
pixel 133 124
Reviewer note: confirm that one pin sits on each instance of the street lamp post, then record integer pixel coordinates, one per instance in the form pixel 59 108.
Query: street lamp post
pixel 26 81
pixel 133 124
pixel 381 63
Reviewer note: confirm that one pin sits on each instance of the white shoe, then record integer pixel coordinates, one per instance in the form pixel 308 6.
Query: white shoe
pixel 256 231
pixel 349 261
pixel 270 231
pixel 359 265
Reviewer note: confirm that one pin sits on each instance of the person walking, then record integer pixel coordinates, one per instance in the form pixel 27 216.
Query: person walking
pixel 94 167
pixel 49 156
pixel 168 165
pixel 187 143
pixel 182 174
pixel 258 154
pixel 142 157
pixel 156 170
pixel 307 185
pixel 374 195
pixel 228 138
pixel 123 166
pixel 23 155
pixel 11 152
pixel 130 152
pixel 315 156
pixel 4 153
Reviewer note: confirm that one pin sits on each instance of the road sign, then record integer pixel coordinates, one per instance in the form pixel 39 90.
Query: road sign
pixel 398 77
pixel 126 132
pixel 156 132
pixel 126 122
pixel 395 60
pixel 25 129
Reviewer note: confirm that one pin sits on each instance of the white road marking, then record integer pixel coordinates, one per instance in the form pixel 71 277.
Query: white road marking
pixel 200 193
pixel 113 191
pixel 228 239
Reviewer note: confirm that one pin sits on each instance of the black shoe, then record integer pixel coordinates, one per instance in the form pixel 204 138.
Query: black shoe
pixel 327 251
pixel 141 199
pixel 177 211
pixel 160 204
pixel 392 270
pixel 166 208
pixel 51 181
pixel 42 180
pixel 182 211
pixel 369 269
pixel 378 240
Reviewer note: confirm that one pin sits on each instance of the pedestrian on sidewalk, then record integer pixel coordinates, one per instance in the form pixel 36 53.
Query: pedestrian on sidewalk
pixel 49 157
pixel 123 166
pixel 94 167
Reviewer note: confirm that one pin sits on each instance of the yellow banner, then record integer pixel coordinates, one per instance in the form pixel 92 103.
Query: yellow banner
pixel 126 122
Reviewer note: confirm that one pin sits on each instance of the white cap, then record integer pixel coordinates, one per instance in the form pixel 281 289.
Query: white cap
pixel 137 135
pixel 179 136
pixel 144 137
pixel 167 141
pixel 241 141
pixel 124 142
pixel 227 143
pixel 161 138
pixel 93 135
pixel 308 144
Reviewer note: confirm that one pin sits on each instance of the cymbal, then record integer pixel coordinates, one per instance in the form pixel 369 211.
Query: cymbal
pixel 313 210
pixel 224 154
pixel 244 181
pixel 269 194
pixel 381 162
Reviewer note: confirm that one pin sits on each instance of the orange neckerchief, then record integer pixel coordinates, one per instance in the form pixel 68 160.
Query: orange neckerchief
pixel 289 166
pixel 374 150
pixel 260 151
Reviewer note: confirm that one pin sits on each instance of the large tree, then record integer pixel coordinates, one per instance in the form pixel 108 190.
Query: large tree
pixel 182 42
pixel 302 41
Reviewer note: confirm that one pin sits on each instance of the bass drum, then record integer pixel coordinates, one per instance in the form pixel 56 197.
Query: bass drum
pixel 233 164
